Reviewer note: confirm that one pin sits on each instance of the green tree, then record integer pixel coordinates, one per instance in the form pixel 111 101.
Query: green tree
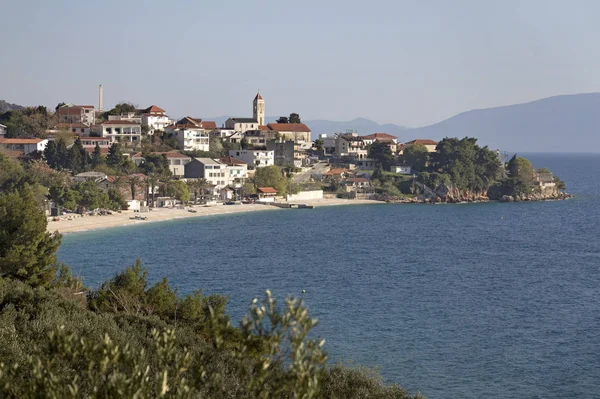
pixel 115 158
pixel 416 156
pixel 116 199
pixel 318 144
pixel 381 153
pixel 283 119
pixel 180 191
pixel 27 250
pixel 271 176
pixel 97 158
pixel 295 118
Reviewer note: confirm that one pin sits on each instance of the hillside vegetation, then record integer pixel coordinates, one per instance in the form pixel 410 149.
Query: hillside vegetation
pixel 128 339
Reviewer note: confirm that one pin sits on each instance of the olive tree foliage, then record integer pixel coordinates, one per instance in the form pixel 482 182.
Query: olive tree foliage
pixel 288 364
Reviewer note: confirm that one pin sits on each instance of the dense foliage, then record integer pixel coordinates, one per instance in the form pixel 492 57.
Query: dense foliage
pixel 130 339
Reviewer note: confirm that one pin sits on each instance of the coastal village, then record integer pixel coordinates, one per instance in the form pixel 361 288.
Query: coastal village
pixel 153 161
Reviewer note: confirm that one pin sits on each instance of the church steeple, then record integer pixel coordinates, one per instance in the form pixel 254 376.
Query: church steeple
pixel 258 109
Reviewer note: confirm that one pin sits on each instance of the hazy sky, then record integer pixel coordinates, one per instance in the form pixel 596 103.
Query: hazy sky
pixel 399 61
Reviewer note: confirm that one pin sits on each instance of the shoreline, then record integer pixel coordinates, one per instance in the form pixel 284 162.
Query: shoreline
pixel 89 223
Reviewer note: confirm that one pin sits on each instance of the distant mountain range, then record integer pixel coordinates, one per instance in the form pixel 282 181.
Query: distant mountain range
pixel 5 107
pixel 567 123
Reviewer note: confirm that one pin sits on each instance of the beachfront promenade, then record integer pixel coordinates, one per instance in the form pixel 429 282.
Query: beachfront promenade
pixel 86 223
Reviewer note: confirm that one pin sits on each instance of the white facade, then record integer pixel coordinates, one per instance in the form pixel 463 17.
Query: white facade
pixel 24 145
pixel 156 122
pixel 254 158
pixel 241 124
pixel 215 172
pixel 2 131
pixel 401 169
pixel 193 139
pixel 121 130
pixel 129 117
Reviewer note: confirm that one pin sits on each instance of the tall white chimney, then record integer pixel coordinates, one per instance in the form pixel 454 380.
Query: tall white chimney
pixel 100 98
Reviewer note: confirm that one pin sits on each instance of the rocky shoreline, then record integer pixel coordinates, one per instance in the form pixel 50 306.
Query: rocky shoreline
pixel 472 199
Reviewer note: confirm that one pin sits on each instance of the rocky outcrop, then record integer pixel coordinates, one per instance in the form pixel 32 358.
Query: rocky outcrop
pixel 449 194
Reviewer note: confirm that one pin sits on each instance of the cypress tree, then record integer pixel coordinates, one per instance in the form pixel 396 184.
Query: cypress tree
pixel 27 250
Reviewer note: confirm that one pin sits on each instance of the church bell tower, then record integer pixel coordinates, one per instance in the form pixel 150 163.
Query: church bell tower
pixel 258 109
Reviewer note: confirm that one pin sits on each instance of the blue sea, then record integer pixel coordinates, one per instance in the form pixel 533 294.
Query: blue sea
pixel 455 301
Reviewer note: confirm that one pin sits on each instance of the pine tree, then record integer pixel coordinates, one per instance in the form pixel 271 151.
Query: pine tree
pixel 50 153
pixel 27 250
pixel 97 156
pixel 115 156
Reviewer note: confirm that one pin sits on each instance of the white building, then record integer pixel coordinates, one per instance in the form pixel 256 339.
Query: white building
pixel 122 130
pixel 155 118
pixel 2 131
pixel 25 146
pixel 127 116
pixel 254 158
pixel 237 171
pixel 193 139
pixel 212 170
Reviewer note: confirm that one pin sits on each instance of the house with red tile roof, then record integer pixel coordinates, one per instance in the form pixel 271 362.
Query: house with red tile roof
pixel 371 138
pixel 297 132
pixel 155 118
pixel 192 133
pixel 266 194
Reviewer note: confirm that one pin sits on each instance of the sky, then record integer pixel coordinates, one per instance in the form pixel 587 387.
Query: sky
pixel 409 62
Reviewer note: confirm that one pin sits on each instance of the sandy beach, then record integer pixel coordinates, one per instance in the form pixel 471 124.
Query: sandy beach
pixel 86 223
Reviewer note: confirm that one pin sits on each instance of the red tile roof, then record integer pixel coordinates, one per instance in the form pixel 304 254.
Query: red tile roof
pixel 289 127
pixel 380 136
pixel 422 141
pixel 267 190
pixel 263 127
pixel 209 124
pixel 20 141
pixel 153 109
pixel 229 160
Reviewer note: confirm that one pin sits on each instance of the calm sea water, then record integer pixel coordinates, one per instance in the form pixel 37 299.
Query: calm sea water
pixel 469 301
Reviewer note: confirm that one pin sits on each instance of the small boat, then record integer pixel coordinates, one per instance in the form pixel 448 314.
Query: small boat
pixel 192 210
pixel 138 217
